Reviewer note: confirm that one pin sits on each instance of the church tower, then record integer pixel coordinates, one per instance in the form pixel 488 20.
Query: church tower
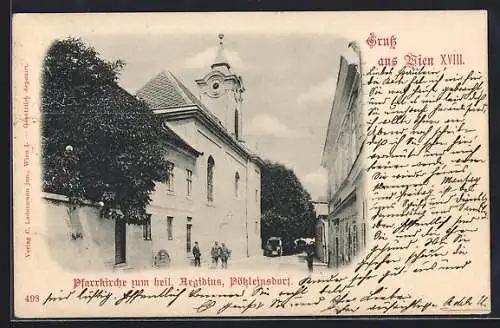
pixel 222 91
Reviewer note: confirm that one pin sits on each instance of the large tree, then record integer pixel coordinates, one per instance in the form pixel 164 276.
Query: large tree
pixel 287 209
pixel 99 142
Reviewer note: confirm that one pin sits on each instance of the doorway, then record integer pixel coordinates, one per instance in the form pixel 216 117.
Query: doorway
pixel 120 242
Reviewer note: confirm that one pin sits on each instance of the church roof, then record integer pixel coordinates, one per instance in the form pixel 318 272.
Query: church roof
pixel 167 95
pixel 165 91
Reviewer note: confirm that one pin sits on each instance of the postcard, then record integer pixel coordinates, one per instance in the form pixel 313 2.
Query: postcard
pixel 250 164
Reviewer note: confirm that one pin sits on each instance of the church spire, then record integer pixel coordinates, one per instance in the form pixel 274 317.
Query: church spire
pixel 221 91
pixel 220 58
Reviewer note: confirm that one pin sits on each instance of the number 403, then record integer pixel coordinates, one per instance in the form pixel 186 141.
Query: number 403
pixel 32 298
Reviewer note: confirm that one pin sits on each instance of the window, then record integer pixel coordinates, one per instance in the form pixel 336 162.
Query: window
pixel 236 123
pixel 146 228
pixel 337 251
pixel 170 176
pixel 237 185
pixel 170 220
pixel 189 227
pixel 354 134
pixel 210 179
pixel 189 182
pixel 354 239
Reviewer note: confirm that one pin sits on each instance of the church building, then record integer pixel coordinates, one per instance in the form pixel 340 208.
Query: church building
pixel 212 192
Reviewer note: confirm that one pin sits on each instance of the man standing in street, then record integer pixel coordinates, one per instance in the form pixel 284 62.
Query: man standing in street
pixel 215 253
pixel 310 257
pixel 196 254
pixel 224 255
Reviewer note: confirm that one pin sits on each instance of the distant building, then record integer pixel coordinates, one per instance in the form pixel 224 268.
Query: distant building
pixel 321 237
pixel 343 161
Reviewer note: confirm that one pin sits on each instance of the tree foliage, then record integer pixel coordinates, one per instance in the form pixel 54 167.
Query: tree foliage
pixel 99 142
pixel 287 209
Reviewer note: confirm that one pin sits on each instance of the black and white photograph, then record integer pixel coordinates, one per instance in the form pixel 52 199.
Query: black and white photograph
pixel 211 150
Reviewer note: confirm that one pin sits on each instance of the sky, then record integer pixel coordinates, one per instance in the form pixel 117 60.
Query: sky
pixel 289 79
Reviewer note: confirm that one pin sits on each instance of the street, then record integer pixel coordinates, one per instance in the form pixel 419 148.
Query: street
pixel 279 263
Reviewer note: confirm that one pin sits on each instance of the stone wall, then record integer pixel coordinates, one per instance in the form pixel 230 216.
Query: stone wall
pixel 79 239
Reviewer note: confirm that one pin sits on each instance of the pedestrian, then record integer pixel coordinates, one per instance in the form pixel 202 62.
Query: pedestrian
pixel 225 253
pixel 310 258
pixel 215 253
pixel 347 259
pixel 197 254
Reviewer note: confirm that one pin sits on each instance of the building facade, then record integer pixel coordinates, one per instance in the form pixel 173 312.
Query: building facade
pixel 342 158
pixel 212 192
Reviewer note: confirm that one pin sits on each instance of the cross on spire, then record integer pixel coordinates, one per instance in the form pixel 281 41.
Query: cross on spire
pixel 220 58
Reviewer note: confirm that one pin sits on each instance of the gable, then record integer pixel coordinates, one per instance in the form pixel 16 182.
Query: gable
pixel 177 141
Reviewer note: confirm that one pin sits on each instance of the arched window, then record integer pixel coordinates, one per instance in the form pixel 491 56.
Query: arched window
pixel 236 123
pixel 210 179
pixel 237 185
